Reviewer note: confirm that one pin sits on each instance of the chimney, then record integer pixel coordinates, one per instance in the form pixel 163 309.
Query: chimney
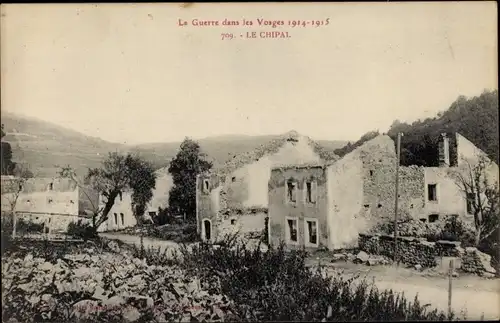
pixel 444 151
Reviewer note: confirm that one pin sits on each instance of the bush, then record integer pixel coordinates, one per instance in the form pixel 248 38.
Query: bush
pixel 454 229
pixel 277 285
pixel 451 228
pixel 408 227
pixel 81 230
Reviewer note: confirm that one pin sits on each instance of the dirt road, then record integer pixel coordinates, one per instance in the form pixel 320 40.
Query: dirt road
pixel 475 296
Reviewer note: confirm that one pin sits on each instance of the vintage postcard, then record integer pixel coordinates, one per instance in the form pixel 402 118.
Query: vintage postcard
pixel 211 162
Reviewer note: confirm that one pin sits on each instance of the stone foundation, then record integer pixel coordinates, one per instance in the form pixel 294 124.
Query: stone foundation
pixel 418 251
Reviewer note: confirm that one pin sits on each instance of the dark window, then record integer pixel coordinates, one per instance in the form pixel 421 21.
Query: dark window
pixel 312 232
pixel 123 218
pixel 379 206
pixel 206 185
pixel 470 203
pixel 433 218
pixel 432 192
pixel 116 218
pixel 292 191
pixel 208 228
pixel 233 179
pixel 292 229
pixel 233 221
pixel 423 220
pixel 51 186
pixel 310 192
pixel 371 173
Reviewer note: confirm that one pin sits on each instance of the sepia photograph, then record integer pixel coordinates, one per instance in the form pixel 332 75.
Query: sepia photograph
pixel 248 162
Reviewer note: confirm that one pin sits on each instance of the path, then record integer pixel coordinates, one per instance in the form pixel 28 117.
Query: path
pixel 162 245
pixel 473 295
pixel 479 296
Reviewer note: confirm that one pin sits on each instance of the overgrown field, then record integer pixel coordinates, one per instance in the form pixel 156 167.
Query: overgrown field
pixel 101 281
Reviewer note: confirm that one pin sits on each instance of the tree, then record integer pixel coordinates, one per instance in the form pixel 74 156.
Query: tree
pixel 475 118
pixel 7 165
pixel 142 187
pixel 474 180
pixel 185 166
pixel 12 189
pixel 119 174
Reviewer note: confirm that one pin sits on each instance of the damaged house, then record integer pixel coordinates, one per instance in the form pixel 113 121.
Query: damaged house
pixel 234 198
pixel 327 205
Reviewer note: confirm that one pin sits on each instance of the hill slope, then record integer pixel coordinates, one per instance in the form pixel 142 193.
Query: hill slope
pixel 44 146
pixel 475 118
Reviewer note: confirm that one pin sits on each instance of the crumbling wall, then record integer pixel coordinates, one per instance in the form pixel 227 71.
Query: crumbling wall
pixel 247 223
pixel 477 262
pixel 345 197
pixel 247 186
pixel 450 199
pixel 418 251
pixel 280 209
pixel 208 201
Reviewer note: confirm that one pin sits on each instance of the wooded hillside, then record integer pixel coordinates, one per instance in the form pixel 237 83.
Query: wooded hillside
pixel 475 118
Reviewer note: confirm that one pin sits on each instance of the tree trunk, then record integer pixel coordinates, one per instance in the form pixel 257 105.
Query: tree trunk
pixel 477 237
pixel 107 209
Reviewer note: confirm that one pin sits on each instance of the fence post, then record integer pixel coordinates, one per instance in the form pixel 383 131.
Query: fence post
pixel 14 224
pixel 450 279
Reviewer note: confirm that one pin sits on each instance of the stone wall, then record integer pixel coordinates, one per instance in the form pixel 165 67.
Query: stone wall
pixel 412 251
pixel 418 251
pixel 280 211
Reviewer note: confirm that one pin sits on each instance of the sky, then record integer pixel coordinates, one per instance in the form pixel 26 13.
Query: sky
pixel 129 73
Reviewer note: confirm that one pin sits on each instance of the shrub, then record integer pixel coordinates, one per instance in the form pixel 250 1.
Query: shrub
pixel 454 229
pixel 277 285
pixel 408 227
pixel 81 230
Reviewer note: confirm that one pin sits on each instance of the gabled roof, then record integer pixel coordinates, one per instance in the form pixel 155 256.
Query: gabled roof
pixel 272 147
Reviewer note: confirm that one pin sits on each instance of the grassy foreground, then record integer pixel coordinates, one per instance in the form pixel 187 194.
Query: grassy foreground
pixel 100 281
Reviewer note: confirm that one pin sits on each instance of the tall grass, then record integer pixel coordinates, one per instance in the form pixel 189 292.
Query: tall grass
pixel 276 285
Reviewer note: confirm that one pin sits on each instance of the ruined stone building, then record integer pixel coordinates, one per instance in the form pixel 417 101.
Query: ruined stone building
pixel 234 198
pixel 328 205
pixel 53 201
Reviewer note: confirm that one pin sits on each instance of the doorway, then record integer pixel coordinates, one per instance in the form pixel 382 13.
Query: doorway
pixel 207 229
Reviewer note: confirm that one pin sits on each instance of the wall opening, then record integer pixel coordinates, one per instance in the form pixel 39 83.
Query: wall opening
pixel 233 179
pixel 206 186
pixel 432 192
pixel 51 186
pixel 423 220
pixel 433 218
pixel 233 221
pixel 310 192
pixel 122 218
pixel 207 230
pixel 292 234
pixel 291 191
pixel 311 232
pixel 116 218
pixel 371 172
